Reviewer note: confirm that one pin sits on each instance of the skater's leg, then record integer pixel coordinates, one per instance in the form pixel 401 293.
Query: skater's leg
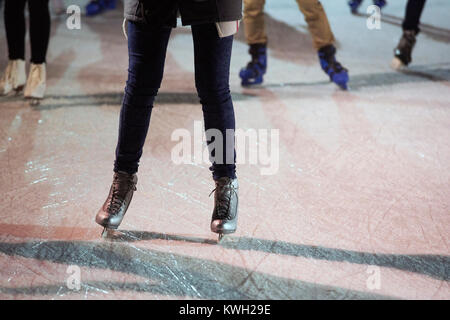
pixel 317 21
pixel 212 71
pixel 39 29
pixel 414 9
pixel 403 51
pixel 147 47
pixel 14 76
pixel 254 26
pixel 323 40
pixel 256 37
pixel 15 28
pixel 39 38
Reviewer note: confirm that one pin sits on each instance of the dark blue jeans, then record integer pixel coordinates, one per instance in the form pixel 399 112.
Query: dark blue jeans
pixel 147 47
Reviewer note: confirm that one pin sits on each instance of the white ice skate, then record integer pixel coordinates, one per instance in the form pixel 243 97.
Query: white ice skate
pixel 36 83
pixel 397 64
pixel 13 78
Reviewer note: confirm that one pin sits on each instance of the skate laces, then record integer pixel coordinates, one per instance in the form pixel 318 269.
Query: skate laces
pixel 223 197
pixel 119 190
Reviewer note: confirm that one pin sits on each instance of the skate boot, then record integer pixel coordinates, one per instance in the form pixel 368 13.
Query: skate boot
pixel 110 4
pixel 113 210
pixel 13 78
pixel 337 73
pixel 380 3
pixel 402 54
pixel 253 73
pixel 36 83
pixel 225 214
pixel 354 5
pixel 95 7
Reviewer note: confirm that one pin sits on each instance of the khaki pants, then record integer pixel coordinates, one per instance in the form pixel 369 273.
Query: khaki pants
pixel 313 11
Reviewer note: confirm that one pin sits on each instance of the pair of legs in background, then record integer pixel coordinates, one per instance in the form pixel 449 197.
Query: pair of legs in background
pixel 147 46
pixel 14 77
pixel 318 26
pixel 410 26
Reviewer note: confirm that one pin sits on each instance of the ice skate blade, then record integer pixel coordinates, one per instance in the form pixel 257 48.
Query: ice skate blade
pixel 110 233
pixel 105 233
pixel 397 64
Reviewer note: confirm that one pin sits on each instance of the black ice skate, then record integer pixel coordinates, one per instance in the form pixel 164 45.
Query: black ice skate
pixel 402 54
pixel 113 210
pixel 225 214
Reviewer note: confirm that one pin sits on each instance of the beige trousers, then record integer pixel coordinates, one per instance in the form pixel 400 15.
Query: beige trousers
pixel 315 17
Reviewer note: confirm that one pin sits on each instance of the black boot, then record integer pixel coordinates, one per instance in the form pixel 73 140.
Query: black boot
pixel 225 214
pixel 113 210
pixel 403 51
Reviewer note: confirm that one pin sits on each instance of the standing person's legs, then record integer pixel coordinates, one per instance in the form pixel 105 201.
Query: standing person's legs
pixel 15 28
pixel 414 9
pixel 147 46
pixel 39 29
pixel 317 21
pixel 254 25
pixel 212 73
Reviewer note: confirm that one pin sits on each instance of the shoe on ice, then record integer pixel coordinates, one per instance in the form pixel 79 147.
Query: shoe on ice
pixel 403 51
pixel 337 73
pixel 36 83
pixel 225 213
pixel 380 3
pixel 354 5
pixel 253 73
pixel 14 77
pixel 120 194
pixel 95 7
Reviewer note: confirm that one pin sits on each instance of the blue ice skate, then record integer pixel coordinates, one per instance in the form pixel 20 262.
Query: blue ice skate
pixel 354 5
pixel 95 7
pixel 254 72
pixel 380 3
pixel 337 73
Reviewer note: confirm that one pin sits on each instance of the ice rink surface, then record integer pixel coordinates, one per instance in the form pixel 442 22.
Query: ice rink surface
pixel 359 208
